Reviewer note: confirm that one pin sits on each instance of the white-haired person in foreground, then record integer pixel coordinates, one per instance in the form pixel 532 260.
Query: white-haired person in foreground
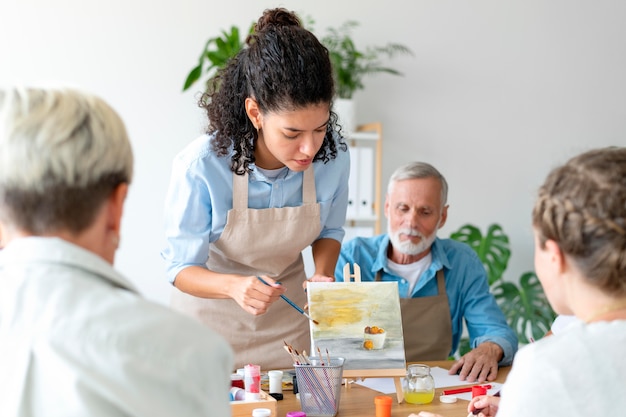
pixel 579 222
pixel 76 339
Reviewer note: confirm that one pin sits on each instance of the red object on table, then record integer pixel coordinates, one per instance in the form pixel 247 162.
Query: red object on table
pixel 463 390
pixel 478 390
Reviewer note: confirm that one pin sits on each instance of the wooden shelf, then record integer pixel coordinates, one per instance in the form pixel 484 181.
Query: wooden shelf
pixel 366 135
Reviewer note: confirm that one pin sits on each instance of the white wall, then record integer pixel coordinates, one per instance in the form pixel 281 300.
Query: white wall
pixel 496 95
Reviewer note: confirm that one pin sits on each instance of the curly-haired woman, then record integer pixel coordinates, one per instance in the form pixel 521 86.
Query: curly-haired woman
pixel 267 180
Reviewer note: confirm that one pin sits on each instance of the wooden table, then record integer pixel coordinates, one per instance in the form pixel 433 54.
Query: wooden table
pixel 358 401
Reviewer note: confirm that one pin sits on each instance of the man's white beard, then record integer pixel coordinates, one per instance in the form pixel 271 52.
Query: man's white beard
pixel 407 247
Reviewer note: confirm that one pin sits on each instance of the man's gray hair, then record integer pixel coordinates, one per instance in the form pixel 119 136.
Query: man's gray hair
pixel 414 170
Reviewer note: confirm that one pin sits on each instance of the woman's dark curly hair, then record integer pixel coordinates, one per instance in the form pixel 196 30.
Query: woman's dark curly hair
pixel 283 67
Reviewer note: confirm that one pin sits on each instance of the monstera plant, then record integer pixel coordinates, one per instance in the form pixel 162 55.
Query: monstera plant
pixel 492 249
pixel 524 303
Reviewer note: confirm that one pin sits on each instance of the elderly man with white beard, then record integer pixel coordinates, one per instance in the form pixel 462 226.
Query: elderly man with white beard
pixel 441 281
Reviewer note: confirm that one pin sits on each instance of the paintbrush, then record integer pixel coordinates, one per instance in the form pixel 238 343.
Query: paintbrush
pixel 290 350
pixel 291 303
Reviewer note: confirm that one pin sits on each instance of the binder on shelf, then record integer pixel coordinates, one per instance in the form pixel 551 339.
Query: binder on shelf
pixel 364 187
pixel 353 199
pixel 365 182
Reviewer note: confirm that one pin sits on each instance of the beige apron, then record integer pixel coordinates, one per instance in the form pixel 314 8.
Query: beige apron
pixel 426 324
pixel 261 242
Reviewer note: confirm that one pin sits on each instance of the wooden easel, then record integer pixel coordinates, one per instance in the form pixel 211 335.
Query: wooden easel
pixel 396 374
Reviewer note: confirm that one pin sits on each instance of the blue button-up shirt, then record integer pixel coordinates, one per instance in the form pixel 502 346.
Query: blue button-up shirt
pixel 201 193
pixel 466 287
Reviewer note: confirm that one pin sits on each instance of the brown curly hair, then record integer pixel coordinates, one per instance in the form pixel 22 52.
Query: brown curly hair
pixel 283 67
pixel 582 207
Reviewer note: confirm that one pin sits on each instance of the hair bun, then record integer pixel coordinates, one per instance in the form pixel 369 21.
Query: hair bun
pixel 276 18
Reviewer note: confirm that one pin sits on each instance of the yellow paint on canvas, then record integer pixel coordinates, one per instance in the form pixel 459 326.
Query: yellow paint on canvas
pixel 344 309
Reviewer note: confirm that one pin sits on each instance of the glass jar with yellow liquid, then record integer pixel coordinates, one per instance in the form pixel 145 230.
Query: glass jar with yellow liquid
pixel 419 385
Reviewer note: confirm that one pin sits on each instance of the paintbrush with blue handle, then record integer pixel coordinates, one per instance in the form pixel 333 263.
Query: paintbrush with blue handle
pixel 291 303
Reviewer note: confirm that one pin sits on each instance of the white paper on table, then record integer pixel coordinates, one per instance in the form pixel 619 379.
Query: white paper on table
pixel 442 380
pixel 383 385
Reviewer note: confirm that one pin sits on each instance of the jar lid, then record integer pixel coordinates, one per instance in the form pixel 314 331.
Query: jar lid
pixel 261 412
pixel 382 399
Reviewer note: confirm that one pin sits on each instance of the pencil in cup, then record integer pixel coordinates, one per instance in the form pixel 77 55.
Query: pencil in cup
pixel 319 386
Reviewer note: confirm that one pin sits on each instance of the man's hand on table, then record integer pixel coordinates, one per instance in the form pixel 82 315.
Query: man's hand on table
pixel 479 364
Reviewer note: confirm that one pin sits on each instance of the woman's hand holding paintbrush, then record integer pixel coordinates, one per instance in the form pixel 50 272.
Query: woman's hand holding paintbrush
pixel 252 295
pixel 291 303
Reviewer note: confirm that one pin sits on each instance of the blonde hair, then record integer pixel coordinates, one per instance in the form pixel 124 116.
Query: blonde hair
pixel 62 152
pixel 582 207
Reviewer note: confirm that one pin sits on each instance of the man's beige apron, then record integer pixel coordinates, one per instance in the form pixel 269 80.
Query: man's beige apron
pixel 426 324
pixel 261 242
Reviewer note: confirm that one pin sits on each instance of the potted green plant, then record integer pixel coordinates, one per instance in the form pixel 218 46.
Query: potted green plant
pixel 524 305
pixel 215 54
pixel 351 65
